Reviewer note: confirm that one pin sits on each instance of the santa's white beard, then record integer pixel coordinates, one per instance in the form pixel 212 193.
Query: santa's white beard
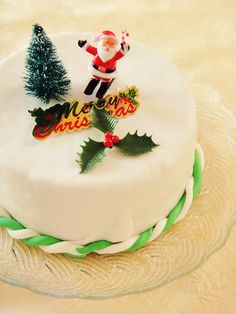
pixel 104 54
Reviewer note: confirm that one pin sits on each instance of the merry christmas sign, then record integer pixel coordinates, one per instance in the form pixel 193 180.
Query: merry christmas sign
pixel 74 116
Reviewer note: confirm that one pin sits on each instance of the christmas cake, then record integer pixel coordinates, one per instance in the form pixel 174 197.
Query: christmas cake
pixel 99 161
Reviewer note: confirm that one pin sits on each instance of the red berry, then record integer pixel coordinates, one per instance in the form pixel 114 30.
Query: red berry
pixel 108 143
pixel 108 135
pixel 115 139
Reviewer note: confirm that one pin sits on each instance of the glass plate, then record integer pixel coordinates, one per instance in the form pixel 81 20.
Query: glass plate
pixel 174 254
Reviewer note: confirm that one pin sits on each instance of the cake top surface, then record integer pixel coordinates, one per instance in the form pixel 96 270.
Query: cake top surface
pixel 165 112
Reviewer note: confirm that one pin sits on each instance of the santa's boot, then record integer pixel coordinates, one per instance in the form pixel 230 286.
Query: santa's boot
pixel 103 89
pixel 91 87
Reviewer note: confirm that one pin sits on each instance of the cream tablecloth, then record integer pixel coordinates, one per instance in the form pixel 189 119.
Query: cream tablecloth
pixel 200 38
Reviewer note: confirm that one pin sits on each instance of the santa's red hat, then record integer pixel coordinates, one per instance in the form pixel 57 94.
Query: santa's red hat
pixel 105 34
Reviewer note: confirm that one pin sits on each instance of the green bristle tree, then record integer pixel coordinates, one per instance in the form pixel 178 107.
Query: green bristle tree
pixel 46 77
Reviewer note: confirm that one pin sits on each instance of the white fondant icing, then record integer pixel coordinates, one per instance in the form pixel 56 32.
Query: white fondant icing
pixel 188 200
pixel 118 247
pixel 158 229
pixel 22 233
pixel 4 213
pixel 40 184
pixel 70 246
pixel 201 155
pixel 61 247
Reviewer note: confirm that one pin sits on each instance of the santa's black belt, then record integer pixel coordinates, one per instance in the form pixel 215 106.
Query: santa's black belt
pixel 107 70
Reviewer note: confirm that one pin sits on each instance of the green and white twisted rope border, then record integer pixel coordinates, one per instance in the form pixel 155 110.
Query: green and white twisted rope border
pixel 50 244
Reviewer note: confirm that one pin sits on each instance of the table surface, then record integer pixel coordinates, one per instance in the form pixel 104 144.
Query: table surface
pixel 199 37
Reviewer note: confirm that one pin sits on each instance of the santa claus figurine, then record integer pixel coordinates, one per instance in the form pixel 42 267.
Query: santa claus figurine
pixel 103 66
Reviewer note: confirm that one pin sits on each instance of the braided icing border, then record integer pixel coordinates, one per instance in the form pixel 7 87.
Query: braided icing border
pixel 51 244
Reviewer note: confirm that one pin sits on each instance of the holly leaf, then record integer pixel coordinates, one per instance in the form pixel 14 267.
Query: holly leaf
pixel 131 94
pixel 133 144
pixel 92 153
pixel 102 120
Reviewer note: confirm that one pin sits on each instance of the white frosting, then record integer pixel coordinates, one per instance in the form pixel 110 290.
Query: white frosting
pixel 40 184
pixel 71 246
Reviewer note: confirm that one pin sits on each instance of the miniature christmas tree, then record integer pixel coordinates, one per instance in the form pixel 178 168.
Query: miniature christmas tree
pixel 46 78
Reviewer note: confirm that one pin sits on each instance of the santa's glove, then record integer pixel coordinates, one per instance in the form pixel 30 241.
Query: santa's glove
pixel 81 43
pixel 125 47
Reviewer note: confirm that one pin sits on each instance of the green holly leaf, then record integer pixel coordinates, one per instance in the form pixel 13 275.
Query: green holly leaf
pixel 133 144
pixel 131 94
pixel 92 153
pixel 102 120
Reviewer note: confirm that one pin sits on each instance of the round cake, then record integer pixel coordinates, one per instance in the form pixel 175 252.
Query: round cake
pixel 123 197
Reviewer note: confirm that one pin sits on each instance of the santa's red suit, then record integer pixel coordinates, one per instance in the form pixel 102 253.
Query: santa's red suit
pixel 103 66
pixel 103 70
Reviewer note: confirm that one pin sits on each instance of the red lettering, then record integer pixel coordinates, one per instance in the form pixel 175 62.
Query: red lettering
pixel 120 112
pixel 41 133
pixel 131 108
pixel 59 128
pixel 68 125
pixel 84 123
